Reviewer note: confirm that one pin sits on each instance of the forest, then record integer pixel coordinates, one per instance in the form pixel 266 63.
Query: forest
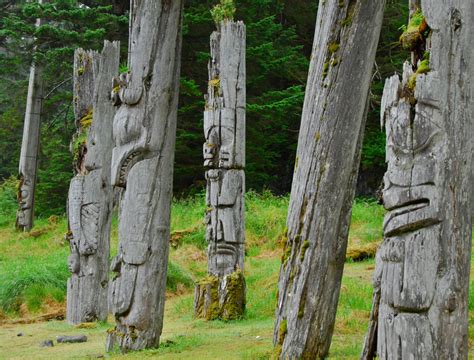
pixel 220 179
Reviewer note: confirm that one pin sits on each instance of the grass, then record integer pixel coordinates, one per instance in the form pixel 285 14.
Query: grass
pixel 33 275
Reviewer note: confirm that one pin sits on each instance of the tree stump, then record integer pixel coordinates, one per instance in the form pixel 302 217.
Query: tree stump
pixel 90 199
pixel 222 294
pixel 422 270
pixel 142 165
pixel 328 156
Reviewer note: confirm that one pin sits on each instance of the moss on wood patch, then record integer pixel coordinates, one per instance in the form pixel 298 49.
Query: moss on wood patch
pixel 415 33
pixel 220 298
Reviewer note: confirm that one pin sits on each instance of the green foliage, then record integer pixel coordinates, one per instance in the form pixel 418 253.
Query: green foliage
pixel 8 202
pixel 223 11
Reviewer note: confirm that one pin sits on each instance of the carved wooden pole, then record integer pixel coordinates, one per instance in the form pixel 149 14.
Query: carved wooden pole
pixel 327 162
pixel 422 269
pixel 142 164
pixel 30 146
pixel 91 194
pixel 222 293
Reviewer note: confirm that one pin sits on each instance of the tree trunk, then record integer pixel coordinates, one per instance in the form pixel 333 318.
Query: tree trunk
pixel 142 164
pixel 30 147
pixel 90 200
pixel 327 162
pixel 424 262
pixel 222 293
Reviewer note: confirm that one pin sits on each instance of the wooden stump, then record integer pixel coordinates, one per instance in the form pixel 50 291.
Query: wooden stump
pixel 220 297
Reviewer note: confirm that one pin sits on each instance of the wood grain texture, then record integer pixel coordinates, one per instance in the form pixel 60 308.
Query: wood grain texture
pixel 224 158
pixel 422 270
pixel 142 164
pixel 327 162
pixel 90 199
pixel 30 146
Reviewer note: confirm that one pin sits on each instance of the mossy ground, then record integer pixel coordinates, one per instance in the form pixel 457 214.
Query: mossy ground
pixel 27 262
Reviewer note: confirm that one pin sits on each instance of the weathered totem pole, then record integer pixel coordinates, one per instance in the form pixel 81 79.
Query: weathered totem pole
pixel 30 146
pixel 142 164
pixel 222 294
pixel 422 267
pixel 90 199
pixel 326 168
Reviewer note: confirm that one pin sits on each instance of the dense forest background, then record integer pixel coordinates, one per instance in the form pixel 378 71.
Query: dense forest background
pixel 279 40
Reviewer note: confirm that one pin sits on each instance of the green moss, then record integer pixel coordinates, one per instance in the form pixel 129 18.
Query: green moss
pixel 325 69
pixel 333 47
pixel 416 31
pixel 80 71
pixel 301 307
pixel 86 120
pixel 303 249
pixel 215 83
pixel 234 306
pixel 341 3
pixel 423 68
pixel 335 62
pixel 286 255
pixel 282 331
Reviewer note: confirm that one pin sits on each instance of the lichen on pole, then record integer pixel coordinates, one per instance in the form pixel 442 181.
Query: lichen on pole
pixel 221 295
pixel 90 200
pixel 142 166
pixel 421 281
pixel 328 156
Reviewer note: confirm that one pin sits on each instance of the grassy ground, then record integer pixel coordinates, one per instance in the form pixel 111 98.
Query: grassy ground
pixel 33 274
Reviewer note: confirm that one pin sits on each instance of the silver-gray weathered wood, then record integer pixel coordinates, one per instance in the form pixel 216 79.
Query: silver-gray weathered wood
pixel 142 164
pixel 422 270
pixel 222 294
pixel 327 163
pixel 30 146
pixel 91 197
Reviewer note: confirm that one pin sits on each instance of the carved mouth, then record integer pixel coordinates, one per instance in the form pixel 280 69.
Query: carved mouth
pixel 225 249
pixel 409 216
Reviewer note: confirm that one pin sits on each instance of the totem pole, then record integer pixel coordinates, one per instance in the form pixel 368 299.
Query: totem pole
pixel 30 146
pixel 142 165
pixel 422 268
pixel 327 163
pixel 222 294
pixel 90 199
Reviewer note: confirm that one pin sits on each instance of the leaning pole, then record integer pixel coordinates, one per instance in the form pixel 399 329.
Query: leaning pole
pixel 90 199
pixel 30 146
pixel 327 162
pixel 221 295
pixel 421 281
pixel 142 165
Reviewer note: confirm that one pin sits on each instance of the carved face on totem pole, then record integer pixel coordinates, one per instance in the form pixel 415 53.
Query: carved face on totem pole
pixel 83 223
pixel 224 231
pixel 24 200
pixel 412 193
